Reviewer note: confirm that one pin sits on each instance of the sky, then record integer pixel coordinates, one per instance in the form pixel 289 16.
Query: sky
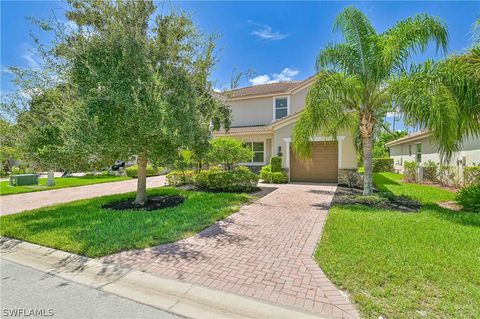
pixel 268 41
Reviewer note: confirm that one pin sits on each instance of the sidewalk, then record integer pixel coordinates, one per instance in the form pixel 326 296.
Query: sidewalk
pixel 12 204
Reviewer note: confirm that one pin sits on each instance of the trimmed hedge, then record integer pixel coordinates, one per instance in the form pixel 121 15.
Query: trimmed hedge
pixel 276 164
pixel 471 175
pixel 382 164
pixel 268 176
pixel 240 179
pixel 469 198
pixel 132 171
pixel 179 178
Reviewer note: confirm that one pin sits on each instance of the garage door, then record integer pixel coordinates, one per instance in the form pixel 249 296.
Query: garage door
pixel 323 166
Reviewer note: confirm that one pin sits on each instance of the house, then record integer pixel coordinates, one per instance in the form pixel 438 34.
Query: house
pixel 263 116
pixel 420 148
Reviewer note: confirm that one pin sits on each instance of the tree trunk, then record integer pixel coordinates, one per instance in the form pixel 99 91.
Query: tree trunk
pixel 367 163
pixel 141 180
pixel 51 178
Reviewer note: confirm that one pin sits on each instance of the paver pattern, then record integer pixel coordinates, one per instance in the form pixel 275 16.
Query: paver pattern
pixel 12 204
pixel 263 251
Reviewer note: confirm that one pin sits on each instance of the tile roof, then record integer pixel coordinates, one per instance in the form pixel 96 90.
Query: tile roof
pixel 409 137
pixel 270 88
pixel 244 129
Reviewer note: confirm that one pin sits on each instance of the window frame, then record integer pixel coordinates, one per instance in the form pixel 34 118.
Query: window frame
pixel 275 107
pixel 252 163
pixel 418 152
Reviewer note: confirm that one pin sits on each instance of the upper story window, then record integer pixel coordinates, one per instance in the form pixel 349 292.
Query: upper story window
pixel 281 107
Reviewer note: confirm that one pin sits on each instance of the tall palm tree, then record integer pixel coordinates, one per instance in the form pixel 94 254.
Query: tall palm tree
pixel 352 85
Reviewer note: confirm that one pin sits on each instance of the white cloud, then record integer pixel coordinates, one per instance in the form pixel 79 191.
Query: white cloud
pixel 29 56
pixel 287 74
pixel 265 32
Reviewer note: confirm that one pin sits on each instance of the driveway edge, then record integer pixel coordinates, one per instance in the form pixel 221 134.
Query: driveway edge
pixel 185 299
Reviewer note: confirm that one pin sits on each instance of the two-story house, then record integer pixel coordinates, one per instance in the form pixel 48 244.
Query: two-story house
pixel 264 117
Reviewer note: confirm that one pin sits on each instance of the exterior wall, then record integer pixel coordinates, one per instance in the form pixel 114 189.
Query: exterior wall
pixel 252 112
pixel 297 100
pixel 470 150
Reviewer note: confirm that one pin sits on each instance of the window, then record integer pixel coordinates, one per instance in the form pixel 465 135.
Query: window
pixel 281 107
pixel 258 151
pixel 418 154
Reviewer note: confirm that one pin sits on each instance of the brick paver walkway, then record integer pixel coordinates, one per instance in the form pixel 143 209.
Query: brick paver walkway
pixel 263 251
pixel 11 204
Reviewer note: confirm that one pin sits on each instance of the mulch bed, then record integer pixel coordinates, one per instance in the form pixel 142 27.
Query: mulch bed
pixel 152 203
pixel 348 196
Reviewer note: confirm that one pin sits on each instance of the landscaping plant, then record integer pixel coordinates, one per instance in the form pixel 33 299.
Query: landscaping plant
pixel 228 152
pixel 359 79
pixel 382 164
pixel 239 179
pixel 132 171
pixel 469 198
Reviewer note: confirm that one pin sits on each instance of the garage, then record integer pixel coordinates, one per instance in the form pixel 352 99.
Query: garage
pixel 322 168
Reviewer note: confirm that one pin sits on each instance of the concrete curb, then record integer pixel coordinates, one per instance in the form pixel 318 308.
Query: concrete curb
pixel 182 298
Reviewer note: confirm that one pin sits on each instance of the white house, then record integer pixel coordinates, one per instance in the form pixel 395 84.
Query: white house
pixel 420 148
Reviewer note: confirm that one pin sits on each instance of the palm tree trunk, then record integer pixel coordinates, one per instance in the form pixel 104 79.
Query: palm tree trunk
pixel 367 162
pixel 141 180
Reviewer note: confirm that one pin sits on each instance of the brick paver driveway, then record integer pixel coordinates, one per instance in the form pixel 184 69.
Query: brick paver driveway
pixel 11 204
pixel 263 251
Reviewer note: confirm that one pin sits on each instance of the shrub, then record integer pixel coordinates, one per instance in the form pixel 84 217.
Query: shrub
pixel 268 176
pixel 241 179
pixel 471 175
pixel 410 171
pixel 179 177
pixel 382 164
pixel 22 169
pixel 276 164
pixel 132 171
pixel 430 171
pixel 469 198
pixel 228 152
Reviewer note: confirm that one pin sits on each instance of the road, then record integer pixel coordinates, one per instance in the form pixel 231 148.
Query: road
pixel 28 290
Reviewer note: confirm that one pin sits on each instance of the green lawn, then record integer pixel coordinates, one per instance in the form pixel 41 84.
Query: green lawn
pixel 84 228
pixel 405 265
pixel 6 189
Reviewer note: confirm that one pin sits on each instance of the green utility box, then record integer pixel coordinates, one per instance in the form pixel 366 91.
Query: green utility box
pixel 24 179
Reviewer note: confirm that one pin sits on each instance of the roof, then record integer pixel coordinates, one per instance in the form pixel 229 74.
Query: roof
pixel 409 138
pixel 244 130
pixel 267 89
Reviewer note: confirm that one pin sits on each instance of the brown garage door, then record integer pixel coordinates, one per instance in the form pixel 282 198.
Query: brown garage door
pixel 323 166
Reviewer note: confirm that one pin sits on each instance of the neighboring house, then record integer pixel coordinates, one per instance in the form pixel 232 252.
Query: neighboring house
pixel 420 148
pixel 263 116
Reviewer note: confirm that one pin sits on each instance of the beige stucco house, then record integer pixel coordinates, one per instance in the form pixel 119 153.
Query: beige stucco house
pixel 263 116
pixel 419 147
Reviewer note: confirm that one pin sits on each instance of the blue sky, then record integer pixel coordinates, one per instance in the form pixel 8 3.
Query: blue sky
pixel 278 40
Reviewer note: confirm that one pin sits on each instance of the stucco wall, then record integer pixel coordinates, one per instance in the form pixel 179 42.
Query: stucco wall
pixel 470 149
pixel 252 112
pixel 297 100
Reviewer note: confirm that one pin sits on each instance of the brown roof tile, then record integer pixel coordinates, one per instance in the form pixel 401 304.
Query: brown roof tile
pixel 244 129
pixel 270 88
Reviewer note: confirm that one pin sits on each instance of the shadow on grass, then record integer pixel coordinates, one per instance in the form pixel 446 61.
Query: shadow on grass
pixel 461 217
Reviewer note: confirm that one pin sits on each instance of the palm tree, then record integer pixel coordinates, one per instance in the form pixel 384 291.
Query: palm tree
pixel 352 85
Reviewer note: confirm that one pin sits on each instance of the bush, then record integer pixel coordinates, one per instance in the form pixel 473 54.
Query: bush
pixel 179 178
pixel 430 171
pixel 268 176
pixel 410 171
pixel 241 179
pixel 276 164
pixel 469 198
pixel 382 164
pixel 132 171
pixel 471 175
pixel 228 152
pixel 22 169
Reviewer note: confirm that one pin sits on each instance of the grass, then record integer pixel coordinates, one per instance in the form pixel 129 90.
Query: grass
pixel 6 189
pixel 405 265
pixel 85 228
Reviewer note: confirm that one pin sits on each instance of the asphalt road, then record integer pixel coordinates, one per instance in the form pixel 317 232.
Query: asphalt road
pixel 33 292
